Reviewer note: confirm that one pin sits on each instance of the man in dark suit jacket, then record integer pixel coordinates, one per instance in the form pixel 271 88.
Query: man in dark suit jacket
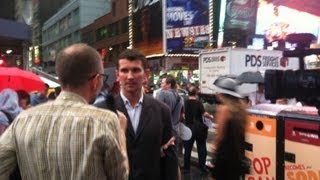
pixel 150 144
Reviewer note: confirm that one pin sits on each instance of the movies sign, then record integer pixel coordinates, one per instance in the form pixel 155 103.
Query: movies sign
pixel 186 25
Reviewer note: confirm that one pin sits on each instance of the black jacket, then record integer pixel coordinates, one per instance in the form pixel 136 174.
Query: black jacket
pixel 143 148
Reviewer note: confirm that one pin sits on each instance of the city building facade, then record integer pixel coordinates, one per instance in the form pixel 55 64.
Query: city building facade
pixel 7 9
pixel 41 12
pixel 14 44
pixel 15 33
pixel 109 33
pixel 23 11
pixel 63 28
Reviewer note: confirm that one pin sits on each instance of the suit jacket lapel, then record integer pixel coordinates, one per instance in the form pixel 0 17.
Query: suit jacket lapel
pixel 121 107
pixel 145 115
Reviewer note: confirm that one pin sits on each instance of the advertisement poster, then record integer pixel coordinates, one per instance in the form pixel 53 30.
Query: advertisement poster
pixel 187 25
pixel 278 18
pixel 261 60
pixel 302 146
pixel 212 66
pixel 261 133
pixel 240 14
pixel 147 26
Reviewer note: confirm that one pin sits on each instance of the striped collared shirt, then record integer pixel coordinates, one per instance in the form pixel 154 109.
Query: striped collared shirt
pixel 64 139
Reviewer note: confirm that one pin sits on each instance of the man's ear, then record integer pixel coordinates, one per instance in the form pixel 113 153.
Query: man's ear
pixel 117 75
pixel 93 83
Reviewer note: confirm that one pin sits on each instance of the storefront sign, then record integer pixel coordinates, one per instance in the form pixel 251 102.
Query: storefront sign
pixel 178 63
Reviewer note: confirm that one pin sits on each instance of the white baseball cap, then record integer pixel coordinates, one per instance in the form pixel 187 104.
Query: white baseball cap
pixel 184 132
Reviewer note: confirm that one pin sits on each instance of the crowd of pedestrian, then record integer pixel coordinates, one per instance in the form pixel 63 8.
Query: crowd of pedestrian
pixel 94 131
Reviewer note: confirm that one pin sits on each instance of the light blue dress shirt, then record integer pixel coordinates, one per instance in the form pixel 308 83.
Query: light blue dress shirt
pixel 134 112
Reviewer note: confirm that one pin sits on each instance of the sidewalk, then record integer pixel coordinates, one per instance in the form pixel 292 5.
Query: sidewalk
pixel 195 173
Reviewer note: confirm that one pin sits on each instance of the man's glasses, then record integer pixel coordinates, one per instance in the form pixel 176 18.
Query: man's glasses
pixel 104 76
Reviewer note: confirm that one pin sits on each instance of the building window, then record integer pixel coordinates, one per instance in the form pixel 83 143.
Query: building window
pixel 114 8
pixel 101 33
pixel 56 29
pixel 88 37
pixel 69 21
pixel 76 37
pixel 125 25
pixel 124 46
pixel 113 29
pixel 76 17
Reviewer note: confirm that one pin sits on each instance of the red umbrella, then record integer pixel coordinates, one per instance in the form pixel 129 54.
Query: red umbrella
pixel 15 78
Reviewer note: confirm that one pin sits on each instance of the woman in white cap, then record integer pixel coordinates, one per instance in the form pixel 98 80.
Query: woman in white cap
pixel 231 118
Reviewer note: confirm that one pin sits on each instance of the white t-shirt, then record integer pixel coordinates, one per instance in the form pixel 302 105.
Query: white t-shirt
pixel 257 98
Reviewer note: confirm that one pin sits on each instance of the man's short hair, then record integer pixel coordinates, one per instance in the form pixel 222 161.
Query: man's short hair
pixel 133 55
pixel 172 81
pixel 76 63
pixel 193 91
pixel 22 94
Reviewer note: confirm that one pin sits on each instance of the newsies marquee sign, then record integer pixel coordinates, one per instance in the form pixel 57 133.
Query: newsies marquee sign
pixel 187 27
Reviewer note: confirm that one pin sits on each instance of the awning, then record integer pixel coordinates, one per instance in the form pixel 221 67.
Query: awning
pixel 51 84
pixel 15 30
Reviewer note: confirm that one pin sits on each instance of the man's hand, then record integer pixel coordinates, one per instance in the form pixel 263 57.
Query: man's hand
pixel 123 121
pixel 166 146
pixel 123 127
pixel 209 116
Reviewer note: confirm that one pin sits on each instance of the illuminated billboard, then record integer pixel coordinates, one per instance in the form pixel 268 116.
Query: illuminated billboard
pixel 146 26
pixel 278 18
pixel 186 26
pixel 240 14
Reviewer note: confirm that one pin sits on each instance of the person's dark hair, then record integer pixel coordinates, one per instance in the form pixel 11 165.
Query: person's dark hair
pixel 52 96
pixel 57 90
pixel 22 94
pixel 171 80
pixel 47 85
pixel 76 64
pixel 192 91
pixel 133 55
